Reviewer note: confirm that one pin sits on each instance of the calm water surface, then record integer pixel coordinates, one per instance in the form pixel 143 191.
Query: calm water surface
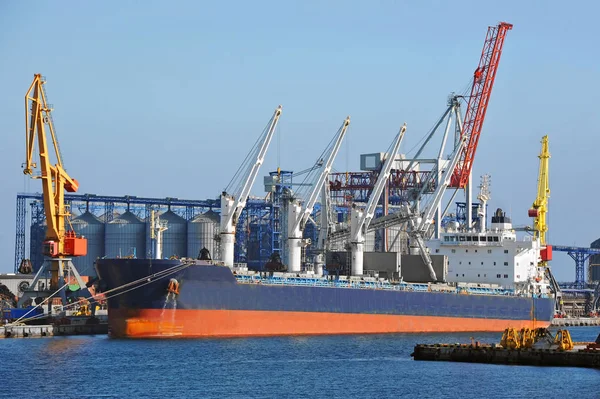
pixel 376 366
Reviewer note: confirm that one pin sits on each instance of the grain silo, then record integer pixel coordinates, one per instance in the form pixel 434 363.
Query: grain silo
pixel 594 265
pixel 201 232
pixel 92 228
pixel 37 236
pixel 175 238
pixel 125 236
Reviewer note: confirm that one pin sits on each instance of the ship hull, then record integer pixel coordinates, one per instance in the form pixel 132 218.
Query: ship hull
pixel 211 303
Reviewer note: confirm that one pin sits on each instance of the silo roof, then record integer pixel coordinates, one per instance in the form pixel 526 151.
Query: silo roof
pixel 86 217
pixel 127 217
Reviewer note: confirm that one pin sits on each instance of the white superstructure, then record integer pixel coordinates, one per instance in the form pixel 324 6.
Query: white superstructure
pixel 492 256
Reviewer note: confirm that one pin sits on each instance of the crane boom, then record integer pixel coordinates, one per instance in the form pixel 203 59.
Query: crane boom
pixel 369 212
pixel 232 206
pixel 310 203
pixel 240 201
pixel 483 82
pixel 540 205
pixel 298 215
pixel 420 225
pixel 360 220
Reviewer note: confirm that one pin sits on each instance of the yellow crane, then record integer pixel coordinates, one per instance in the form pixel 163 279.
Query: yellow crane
pixel 60 244
pixel 540 205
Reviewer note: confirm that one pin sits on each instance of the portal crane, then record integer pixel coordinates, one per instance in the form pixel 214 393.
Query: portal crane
pixel 539 211
pixel 233 204
pixel 540 205
pixel 483 82
pixel 360 219
pixel 60 244
pixel 298 215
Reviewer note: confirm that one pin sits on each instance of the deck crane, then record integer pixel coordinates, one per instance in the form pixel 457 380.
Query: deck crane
pixel 420 224
pixel 297 214
pixel 540 205
pixel 432 178
pixel 232 204
pixel 60 243
pixel 325 229
pixel 481 90
pixel 360 219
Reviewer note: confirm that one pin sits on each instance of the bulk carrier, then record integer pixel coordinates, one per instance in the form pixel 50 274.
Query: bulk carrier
pixel 486 279
pixel 194 298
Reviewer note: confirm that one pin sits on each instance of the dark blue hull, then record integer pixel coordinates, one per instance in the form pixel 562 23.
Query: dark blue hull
pixel 212 289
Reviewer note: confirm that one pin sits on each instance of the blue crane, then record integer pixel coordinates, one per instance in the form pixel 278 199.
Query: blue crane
pixel 580 255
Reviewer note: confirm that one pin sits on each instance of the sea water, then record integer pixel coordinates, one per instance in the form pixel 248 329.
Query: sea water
pixel 355 366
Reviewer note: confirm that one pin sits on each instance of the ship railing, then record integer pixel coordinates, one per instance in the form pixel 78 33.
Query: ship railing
pixel 314 282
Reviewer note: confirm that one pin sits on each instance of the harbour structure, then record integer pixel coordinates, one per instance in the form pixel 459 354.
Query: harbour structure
pixel 263 218
pixel 490 305
pixel 126 220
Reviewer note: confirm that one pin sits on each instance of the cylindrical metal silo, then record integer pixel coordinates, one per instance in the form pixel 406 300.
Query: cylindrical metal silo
pixel 175 238
pixel 201 232
pixel 594 264
pixel 92 228
pixel 125 236
pixel 37 235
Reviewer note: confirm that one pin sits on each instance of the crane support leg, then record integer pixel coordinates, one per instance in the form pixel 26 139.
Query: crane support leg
pixel 358 243
pixel 294 239
pixel 57 267
pixel 580 258
pixel 227 230
pixel 469 201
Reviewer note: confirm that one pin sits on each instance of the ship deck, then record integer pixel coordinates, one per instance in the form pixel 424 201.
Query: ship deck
pixel 294 280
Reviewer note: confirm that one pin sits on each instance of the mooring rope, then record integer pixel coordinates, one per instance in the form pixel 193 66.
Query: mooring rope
pixel 141 281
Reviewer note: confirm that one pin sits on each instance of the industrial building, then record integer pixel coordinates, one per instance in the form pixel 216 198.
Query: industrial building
pixel 119 226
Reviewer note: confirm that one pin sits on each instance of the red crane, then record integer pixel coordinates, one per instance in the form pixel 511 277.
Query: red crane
pixel 483 81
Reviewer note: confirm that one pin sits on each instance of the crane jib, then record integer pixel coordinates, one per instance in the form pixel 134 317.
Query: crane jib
pixel 483 82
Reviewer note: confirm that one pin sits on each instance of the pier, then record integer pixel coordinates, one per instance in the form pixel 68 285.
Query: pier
pixel 576 322
pixel 48 330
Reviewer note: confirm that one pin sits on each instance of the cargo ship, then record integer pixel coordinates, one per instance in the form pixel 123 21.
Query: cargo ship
pixel 493 283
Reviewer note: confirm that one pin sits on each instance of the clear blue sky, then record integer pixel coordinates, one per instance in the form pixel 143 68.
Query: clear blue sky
pixel 165 98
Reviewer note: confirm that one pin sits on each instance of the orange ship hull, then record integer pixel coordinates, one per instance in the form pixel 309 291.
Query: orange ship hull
pixel 157 323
